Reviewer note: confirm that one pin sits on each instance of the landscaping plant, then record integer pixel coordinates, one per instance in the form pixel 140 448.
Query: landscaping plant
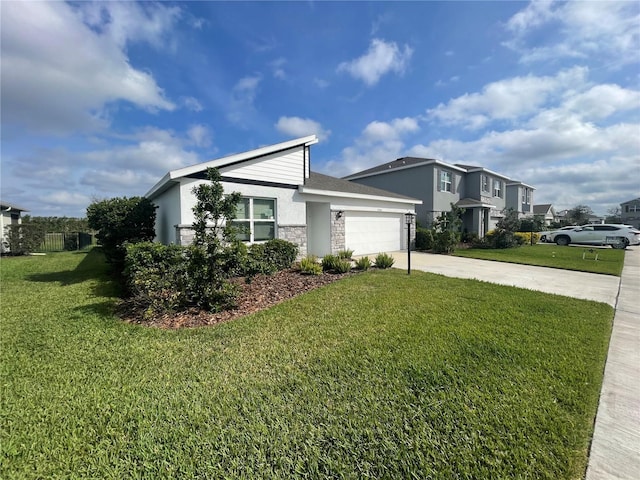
pixel 384 260
pixel 309 265
pixel 363 263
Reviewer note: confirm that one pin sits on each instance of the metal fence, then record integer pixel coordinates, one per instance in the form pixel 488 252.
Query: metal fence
pixel 58 242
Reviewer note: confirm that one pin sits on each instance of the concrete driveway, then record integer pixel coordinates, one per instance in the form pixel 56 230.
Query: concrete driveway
pixel 586 286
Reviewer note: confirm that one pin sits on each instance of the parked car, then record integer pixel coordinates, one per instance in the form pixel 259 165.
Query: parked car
pixel 548 235
pixel 616 235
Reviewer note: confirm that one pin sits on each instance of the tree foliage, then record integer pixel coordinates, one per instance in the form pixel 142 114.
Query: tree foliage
pixel 59 224
pixel 21 239
pixel 578 215
pixel 121 220
pixel 447 230
pixel 614 215
pixel 504 235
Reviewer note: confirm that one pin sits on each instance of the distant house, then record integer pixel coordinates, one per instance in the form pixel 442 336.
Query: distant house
pixel 630 212
pixel 483 194
pixel 10 214
pixel 282 198
pixel 545 211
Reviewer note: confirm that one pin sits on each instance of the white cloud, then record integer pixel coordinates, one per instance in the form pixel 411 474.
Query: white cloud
pixel 242 97
pixel 300 127
pixel 381 58
pixel 192 104
pixel 380 142
pixel 277 68
pixel 199 135
pixel 508 99
pixel 65 199
pixel 58 73
pixel 586 29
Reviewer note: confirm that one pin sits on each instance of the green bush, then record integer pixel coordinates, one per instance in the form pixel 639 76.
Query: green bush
pixel 24 238
pixel 342 266
pixel 155 277
pixel 329 262
pixel 384 260
pixel 121 220
pixel 280 253
pixel 309 265
pixel 345 254
pixel 363 263
pixel 424 239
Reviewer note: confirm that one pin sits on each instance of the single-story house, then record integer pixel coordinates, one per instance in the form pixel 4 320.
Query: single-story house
pixel 10 214
pixel 282 198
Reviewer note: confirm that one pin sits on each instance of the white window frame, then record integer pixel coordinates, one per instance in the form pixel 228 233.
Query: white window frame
pixel 484 181
pixel 497 188
pixel 446 181
pixel 526 196
pixel 251 221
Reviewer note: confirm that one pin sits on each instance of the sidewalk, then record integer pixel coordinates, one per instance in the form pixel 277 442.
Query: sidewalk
pixel 615 447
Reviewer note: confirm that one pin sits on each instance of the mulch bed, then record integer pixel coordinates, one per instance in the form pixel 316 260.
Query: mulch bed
pixel 262 291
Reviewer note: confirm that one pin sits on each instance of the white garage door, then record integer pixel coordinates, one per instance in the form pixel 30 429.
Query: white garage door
pixel 373 232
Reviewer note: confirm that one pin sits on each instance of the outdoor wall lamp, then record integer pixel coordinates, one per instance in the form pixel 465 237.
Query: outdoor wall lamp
pixel 339 214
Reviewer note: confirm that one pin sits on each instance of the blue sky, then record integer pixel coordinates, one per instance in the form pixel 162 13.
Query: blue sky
pixel 102 99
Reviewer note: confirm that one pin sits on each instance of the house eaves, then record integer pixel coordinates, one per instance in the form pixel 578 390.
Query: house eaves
pixel 173 175
pixel 520 184
pixel 472 169
pixel 325 185
pixel 401 164
pixel 10 207
pixel 473 203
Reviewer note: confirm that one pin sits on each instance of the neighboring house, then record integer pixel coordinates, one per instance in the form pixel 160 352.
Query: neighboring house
pixel 483 194
pixel 545 211
pixel 282 198
pixel 9 215
pixel 630 212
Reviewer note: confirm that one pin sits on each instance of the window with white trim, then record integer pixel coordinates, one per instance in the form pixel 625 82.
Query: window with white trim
pixel 445 181
pixel 256 219
pixel 485 183
pixel 526 196
pixel 497 188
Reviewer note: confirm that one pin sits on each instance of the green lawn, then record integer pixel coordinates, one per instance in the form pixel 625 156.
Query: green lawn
pixel 380 375
pixel 610 261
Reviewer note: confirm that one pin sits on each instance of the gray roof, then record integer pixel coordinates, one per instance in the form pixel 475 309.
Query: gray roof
pixel 333 184
pixel 6 205
pixel 400 162
pixel 542 208
pixel 631 201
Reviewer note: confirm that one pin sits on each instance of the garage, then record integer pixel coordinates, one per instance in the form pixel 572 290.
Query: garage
pixel 373 232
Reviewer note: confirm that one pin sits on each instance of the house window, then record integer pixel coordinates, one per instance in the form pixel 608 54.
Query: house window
pixel 526 196
pixel 485 183
pixel 497 188
pixel 445 181
pixel 256 218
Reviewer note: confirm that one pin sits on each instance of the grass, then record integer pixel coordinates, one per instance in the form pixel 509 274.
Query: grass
pixel 380 375
pixel 610 261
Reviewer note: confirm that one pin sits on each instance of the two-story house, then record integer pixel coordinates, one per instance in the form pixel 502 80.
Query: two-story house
pixel 483 194
pixel 630 212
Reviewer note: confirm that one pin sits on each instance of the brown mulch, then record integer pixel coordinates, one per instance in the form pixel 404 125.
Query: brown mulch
pixel 261 292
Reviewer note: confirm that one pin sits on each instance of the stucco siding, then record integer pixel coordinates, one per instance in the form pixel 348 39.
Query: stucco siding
pixel 282 167
pixel 167 215
pixel 290 207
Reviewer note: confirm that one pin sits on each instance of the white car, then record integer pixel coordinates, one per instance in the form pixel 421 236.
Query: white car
pixel 616 235
pixel 547 236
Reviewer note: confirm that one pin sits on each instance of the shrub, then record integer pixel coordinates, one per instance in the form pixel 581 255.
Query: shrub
pixel 345 254
pixel 525 237
pixel 23 238
pixel 384 260
pixel 310 266
pixel 470 237
pixel 154 275
pixel 445 241
pixel 280 253
pixel 363 263
pixel 329 262
pixel 342 266
pixel 121 220
pixel 424 239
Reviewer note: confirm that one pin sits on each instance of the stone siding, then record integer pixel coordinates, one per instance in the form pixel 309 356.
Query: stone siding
pixel 337 232
pixel 295 234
